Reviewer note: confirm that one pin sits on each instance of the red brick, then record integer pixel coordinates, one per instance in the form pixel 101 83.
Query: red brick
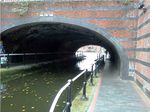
pixel 144 56
pixel 144 18
pixel 90 13
pixel 130 54
pixel 144 70
pixel 76 4
pixel 123 34
pixel 144 30
pixel 127 44
pixel 147 2
pixel 143 43
pixel 115 23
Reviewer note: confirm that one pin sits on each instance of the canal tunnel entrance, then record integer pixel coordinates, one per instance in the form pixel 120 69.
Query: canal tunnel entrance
pixel 62 39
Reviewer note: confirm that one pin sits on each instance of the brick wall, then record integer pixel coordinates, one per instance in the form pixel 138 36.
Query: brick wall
pixel 117 18
pixel 113 16
pixel 142 51
pixel 126 23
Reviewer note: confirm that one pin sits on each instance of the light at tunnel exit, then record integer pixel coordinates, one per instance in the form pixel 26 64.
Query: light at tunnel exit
pixel 90 54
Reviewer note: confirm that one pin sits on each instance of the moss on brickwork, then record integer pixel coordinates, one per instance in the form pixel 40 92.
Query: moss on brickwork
pixel 126 2
pixel 21 9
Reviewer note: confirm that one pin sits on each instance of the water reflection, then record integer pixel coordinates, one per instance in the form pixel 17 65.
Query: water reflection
pixel 90 58
pixel 35 92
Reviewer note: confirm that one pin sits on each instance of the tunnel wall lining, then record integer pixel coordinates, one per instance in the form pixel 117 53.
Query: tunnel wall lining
pixel 124 62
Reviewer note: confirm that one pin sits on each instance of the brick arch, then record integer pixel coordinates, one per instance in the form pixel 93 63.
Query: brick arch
pixel 123 59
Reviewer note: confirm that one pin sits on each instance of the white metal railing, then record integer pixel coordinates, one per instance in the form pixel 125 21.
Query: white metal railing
pixel 16 54
pixel 62 89
pixel 97 64
pixel 57 97
pixel 75 78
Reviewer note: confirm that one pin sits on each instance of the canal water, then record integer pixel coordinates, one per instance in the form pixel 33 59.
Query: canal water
pixel 35 92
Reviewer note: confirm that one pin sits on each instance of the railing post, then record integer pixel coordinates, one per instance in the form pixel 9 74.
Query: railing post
pixel 103 58
pixel 35 58
pixel 91 77
pixel 8 60
pixel 84 97
pixel 69 99
pixel 96 69
pixel 23 58
pixel 98 65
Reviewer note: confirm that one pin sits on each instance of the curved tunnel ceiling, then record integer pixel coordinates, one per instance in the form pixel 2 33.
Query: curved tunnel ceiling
pixel 43 37
pixel 61 37
pixel 50 37
pixel 67 35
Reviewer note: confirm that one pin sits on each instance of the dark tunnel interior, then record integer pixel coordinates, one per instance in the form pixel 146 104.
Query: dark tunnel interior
pixel 53 37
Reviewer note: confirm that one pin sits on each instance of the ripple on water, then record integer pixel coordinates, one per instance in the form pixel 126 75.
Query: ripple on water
pixel 34 93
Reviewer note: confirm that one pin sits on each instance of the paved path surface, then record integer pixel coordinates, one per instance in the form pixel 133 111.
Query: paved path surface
pixel 117 95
